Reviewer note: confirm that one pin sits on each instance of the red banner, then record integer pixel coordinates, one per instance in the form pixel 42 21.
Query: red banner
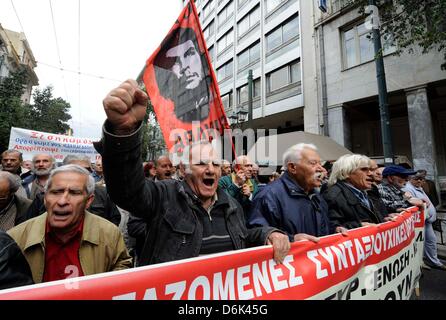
pixel 182 85
pixel 373 262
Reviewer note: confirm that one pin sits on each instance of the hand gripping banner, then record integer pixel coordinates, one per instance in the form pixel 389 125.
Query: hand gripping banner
pixel 182 86
pixel 373 262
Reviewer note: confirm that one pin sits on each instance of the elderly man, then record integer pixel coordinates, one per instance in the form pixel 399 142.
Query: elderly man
pixel 164 168
pixel 185 218
pixel 226 169
pixel 13 207
pixel 291 202
pixel 348 203
pixel 101 205
pixel 394 179
pixel 42 165
pixel 11 162
pixel 98 172
pixel 68 241
pixel 240 184
pixel 415 188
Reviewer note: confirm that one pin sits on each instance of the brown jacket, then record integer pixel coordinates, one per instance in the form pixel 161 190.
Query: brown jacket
pixel 102 246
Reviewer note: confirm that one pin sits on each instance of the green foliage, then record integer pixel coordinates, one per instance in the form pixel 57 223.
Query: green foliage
pixel 48 114
pixel 12 111
pixel 413 23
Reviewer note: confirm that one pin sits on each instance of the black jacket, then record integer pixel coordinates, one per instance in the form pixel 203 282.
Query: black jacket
pixel 14 269
pixel 346 210
pixel 170 208
pixel 101 206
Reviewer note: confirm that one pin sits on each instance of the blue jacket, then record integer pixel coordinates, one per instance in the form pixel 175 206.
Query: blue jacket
pixel 284 205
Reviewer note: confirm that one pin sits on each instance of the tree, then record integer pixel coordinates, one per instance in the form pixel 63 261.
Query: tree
pixel 12 111
pixel 48 114
pixel 411 23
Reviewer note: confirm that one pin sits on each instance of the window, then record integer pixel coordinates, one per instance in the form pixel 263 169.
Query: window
pixel 209 31
pixel 208 8
pixel 225 41
pixel 358 45
pixel 282 77
pixel 225 71
pixel 241 3
pixel 272 4
pixel 242 92
pixel 249 56
pixel 211 53
pixel 249 21
pixel 226 13
pixel 227 100
pixel 282 34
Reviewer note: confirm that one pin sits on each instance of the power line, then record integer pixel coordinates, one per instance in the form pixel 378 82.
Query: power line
pixel 17 15
pixel 78 72
pixel 57 47
pixel 79 59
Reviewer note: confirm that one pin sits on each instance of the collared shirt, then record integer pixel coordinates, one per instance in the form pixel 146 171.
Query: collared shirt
pixel 392 197
pixel 62 259
pixel 361 195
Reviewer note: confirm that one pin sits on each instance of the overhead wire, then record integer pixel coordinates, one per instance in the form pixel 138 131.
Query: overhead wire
pixel 58 50
pixel 18 18
pixel 79 61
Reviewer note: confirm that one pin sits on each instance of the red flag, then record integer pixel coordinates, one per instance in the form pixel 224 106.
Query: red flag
pixel 182 85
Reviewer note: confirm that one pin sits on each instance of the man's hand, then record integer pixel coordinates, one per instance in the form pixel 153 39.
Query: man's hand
pixel 342 230
pixel 392 217
pixel 365 224
pixel 246 190
pixel 281 245
pixel 240 178
pixel 125 107
pixel 304 236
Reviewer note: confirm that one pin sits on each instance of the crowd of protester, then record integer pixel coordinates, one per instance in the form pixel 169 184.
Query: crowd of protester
pixel 80 219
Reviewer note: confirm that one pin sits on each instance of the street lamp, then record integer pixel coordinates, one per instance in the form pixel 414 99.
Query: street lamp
pixel 238 117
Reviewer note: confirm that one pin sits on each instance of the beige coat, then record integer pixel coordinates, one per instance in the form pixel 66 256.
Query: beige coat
pixel 102 246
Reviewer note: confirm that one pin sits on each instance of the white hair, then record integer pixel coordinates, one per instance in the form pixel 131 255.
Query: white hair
pixel 294 153
pixel 76 169
pixel 345 165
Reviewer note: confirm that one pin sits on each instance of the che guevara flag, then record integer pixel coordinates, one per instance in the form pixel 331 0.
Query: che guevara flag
pixel 182 85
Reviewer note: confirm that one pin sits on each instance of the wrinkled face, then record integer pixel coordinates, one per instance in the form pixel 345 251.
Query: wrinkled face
pixel 43 164
pixel 226 169
pixel 246 165
pixel 27 164
pixel 11 162
pixel 164 168
pixel 5 194
pixel 378 174
pixel 205 171
pixel 98 166
pixel 255 170
pixel 308 172
pixel 417 181
pixel 187 67
pixel 66 201
pixel 361 178
pixel 398 181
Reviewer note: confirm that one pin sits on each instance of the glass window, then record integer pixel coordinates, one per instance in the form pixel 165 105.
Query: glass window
pixel 249 21
pixel 272 4
pixel 226 13
pixel 241 2
pixel 273 39
pixel 211 53
pixel 254 52
pixel 291 29
pixel 278 79
pixel 243 25
pixel 225 41
pixel 243 59
pixel 227 100
pixel 257 88
pixel 366 48
pixel 295 72
pixel 243 94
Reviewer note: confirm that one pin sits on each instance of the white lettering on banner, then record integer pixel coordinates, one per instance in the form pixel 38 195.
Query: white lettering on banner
pixel 224 291
pixel 261 277
pixel 364 247
pixel 243 281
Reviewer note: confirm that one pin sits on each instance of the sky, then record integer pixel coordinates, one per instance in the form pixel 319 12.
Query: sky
pixel 116 39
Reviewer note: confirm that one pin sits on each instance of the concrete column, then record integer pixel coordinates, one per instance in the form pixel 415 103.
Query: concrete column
pixel 339 128
pixel 421 131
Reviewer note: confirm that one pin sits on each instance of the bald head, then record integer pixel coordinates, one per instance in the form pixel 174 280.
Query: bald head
pixel 163 167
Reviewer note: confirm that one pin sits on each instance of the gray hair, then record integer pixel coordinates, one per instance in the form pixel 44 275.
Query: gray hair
pixel 345 165
pixel 14 180
pixel 76 169
pixel 71 157
pixel 294 153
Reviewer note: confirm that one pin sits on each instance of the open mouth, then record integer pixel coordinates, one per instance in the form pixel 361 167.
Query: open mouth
pixel 209 182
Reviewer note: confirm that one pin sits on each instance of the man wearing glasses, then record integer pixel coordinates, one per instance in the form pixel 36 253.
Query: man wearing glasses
pixel 415 189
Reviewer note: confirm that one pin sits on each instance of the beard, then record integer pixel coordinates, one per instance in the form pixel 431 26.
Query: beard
pixel 42 172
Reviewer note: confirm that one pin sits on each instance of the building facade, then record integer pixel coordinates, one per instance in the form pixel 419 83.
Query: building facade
pixel 15 53
pixel 315 71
